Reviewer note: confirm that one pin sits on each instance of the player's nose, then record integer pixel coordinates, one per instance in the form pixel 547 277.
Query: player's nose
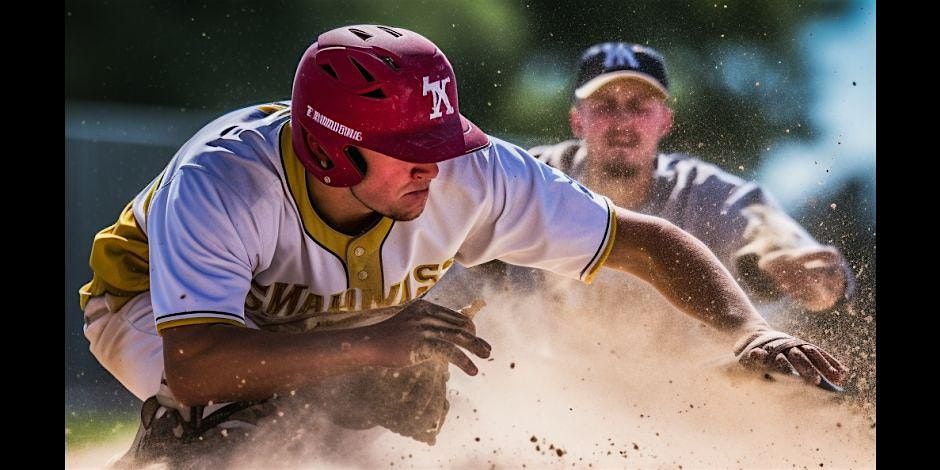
pixel 425 171
pixel 621 124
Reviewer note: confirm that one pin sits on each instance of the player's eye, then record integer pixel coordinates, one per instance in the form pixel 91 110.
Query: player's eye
pixel 605 107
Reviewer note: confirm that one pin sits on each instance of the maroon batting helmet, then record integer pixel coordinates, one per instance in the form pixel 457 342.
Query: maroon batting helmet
pixel 386 89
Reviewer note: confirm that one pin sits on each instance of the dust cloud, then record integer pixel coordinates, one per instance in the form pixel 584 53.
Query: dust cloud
pixel 622 380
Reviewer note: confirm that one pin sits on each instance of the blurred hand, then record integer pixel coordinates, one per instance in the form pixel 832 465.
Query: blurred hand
pixel 815 277
pixel 423 331
pixel 780 352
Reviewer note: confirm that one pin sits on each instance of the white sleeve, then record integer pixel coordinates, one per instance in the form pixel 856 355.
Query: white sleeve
pixel 537 216
pixel 204 243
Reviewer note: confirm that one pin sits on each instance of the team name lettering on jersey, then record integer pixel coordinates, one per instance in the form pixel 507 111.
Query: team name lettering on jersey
pixel 282 300
pixel 437 88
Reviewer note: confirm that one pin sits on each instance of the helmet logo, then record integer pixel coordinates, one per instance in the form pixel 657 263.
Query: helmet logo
pixel 618 55
pixel 437 88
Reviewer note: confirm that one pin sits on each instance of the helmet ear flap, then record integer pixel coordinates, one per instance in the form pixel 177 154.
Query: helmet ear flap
pixel 321 156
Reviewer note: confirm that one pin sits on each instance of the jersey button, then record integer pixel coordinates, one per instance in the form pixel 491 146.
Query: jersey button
pixel 359 251
pixel 363 275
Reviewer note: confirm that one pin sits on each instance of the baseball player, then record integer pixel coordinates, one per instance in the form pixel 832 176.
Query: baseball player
pixel 619 116
pixel 287 246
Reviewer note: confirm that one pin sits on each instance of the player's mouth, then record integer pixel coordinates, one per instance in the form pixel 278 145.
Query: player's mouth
pixel 622 140
pixel 621 170
pixel 418 195
pixel 623 143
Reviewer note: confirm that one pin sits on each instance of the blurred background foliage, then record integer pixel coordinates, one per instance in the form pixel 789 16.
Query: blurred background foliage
pixel 738 76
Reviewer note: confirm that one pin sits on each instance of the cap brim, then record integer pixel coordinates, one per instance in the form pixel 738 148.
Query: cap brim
pixel 473 138
pixel 599 81
pixel 437 144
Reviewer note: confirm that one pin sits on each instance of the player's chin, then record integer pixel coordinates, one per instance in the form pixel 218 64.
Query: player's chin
pixel 413 203
pixel 406 212
pixel 405 216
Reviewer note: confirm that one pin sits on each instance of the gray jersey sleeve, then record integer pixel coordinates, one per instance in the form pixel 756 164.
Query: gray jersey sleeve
pixel 566 156
pixel 738 220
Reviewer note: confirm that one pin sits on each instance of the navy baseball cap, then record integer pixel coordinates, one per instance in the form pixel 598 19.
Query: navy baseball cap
pixel 605 62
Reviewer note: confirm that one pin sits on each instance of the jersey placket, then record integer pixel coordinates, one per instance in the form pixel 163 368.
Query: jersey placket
pixel 364 262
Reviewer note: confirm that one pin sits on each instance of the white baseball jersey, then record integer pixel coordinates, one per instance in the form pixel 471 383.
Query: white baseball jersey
pixel 227 233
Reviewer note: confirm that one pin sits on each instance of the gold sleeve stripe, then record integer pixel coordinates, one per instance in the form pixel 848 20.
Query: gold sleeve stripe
pixel 195 321
pixel 612 235
pixel 152 192
pixel 271 108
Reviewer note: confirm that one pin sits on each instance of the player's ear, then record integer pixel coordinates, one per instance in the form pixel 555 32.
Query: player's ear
pixel 574 118
pixel 667 121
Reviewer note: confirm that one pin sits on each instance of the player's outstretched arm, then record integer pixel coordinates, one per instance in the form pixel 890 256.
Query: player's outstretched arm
pixel 690 276
pixel 222 363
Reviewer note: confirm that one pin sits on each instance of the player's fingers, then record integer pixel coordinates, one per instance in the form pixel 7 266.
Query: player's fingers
pixel 442 313
pixel 434 348
pixel 428 315
pixel 773 263
pixel 832 283
pixel 789 264
pixel 755 359
pixel 461 338
pixel 818 257
pixel 433 323
pixel 835 362
pixel 781 364
pixel 826 364
pixel 803 365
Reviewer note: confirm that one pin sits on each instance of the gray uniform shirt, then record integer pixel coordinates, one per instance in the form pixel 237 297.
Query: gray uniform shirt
pixel 737 219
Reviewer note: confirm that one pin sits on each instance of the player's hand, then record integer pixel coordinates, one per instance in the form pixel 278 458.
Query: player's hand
pixel 780 352
pixel 815 277
pixel 423 331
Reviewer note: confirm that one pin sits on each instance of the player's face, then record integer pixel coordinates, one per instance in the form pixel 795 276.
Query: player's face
pixel 622 124
pixel 396 189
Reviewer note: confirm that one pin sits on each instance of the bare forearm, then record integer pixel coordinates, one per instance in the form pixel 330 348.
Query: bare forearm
pixel 222 363
pixel 683 269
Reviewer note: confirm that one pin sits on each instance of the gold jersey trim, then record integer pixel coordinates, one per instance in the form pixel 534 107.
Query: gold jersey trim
pixel 195 321
pixel 611 236
pixel 360 255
